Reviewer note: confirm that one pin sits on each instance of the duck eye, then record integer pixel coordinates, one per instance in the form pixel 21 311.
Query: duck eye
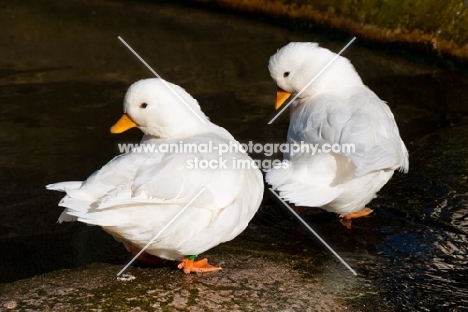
pixel 286 74
pixel 143 105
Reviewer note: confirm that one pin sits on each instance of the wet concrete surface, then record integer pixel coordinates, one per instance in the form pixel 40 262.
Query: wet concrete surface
pixel 63 74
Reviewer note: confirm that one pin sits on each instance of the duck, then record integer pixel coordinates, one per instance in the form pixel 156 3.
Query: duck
pixel 137 193
pixel 356 139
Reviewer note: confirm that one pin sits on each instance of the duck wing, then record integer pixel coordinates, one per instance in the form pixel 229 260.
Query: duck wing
pixel 362 125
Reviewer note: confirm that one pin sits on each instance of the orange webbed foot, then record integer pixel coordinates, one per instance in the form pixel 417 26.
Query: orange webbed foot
pixel 345 219
pixel 190 265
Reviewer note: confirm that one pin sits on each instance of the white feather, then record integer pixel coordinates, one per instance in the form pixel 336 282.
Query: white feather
pixel 136 194
pixel 337 108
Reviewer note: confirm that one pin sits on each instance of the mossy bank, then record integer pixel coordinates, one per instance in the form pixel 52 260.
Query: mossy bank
pixel 437 26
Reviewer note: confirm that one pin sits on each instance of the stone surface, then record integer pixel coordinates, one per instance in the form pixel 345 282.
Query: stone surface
pixel 255 280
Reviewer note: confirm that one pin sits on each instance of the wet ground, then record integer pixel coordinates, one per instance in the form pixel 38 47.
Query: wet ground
pixel 63 73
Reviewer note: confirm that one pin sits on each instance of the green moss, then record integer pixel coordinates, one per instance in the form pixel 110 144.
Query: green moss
pixel 440 25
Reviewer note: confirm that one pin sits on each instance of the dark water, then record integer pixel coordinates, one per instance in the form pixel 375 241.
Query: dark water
pixel 63 74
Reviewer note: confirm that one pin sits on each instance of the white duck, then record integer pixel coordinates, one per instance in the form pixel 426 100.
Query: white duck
pixel 336 108
pixel 136 194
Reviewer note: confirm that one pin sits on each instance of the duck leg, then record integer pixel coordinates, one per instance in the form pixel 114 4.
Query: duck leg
pixel 190 265
pixel 307 211
pixel 346 219
pixel 145 257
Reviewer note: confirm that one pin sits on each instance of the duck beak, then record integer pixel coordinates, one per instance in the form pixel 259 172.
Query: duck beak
pixel 281 97
pixel 123 124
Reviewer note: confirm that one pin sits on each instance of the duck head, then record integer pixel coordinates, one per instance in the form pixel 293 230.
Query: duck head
pixel 161 109
pixel 295 65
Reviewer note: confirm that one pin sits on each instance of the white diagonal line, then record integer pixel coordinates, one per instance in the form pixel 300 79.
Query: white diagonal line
pixel 313 79
pixel 313 232
pixel 162 80
pixel 161 231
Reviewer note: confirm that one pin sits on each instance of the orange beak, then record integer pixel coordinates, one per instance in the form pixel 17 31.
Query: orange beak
pixel 123 124
pixel 281 97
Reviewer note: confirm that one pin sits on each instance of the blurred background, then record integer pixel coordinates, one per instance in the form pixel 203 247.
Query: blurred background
pixel 63 74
